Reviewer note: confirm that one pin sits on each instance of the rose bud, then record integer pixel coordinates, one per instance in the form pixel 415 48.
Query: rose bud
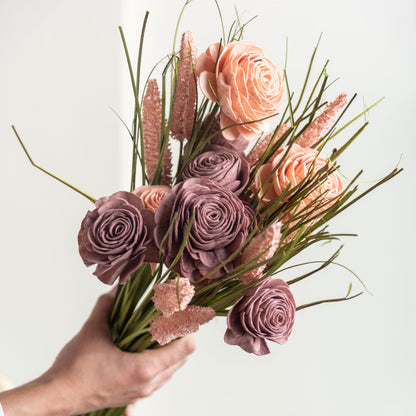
pixel 221 165
pixel 151 195
pixel 212 129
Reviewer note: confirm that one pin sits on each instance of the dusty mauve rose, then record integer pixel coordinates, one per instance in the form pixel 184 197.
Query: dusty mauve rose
pixel 297 165
pixel 245 83
pixel 117 237
pixel 213 130
pixel 254 216
pixel 265 312
pixel 219 228
pixel 151 195
pixel 221 165
pixel 210 132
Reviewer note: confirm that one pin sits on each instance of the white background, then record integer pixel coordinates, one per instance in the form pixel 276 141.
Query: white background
pixel 61 69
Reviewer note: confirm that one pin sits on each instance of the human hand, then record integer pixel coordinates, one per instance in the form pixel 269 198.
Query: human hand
pixel 111 377
pixel 92 373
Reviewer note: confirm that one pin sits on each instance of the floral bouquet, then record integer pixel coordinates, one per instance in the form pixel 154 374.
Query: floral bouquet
pixel 236 180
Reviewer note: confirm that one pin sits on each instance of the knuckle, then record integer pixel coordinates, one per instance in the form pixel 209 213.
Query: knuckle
pixel 144 392
pixel 145 372
pixel 104 299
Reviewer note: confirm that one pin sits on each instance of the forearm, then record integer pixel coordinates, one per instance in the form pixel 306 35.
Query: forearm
pixel 41 397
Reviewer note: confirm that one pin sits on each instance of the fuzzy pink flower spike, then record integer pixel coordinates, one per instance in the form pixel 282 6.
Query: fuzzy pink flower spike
pixel 166 178
pixel 173 296
pixel 321 124
pixel 152 119
pixel 184 107
pixel 165 329
pixel 266 242
pixel 258 150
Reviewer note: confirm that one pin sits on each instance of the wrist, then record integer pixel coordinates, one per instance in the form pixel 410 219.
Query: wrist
pixel 44 396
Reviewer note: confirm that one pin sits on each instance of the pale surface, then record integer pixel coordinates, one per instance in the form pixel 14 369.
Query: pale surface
pixel 62 67
pixel 59 72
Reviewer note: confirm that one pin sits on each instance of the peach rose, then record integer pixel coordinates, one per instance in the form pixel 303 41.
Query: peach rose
pixel 151 195
pixel 299 163
pixel 245 83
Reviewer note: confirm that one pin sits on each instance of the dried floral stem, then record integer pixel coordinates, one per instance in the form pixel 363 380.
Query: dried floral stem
pixel 137 119
pixel 90 198
pixel 319 302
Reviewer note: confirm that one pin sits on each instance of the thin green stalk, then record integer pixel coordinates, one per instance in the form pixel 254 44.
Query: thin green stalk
pixel 90 198
pixel 183 244
pixel 321 267
pixel 138 111
pixel 355 118
pixel 292 121
pixel 308 73
pixel 339 151
pixel 221 20
pixel 319 302
pixel 136 106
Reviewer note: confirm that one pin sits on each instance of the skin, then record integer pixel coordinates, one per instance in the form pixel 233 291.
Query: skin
pixel 91 373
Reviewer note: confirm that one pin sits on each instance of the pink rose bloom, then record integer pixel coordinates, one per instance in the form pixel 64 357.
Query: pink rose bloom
pixel 213 130
pixel 298 164
pixel 117 236
pixel 245 83
pixel 265 312
pixel 224 166
pixel 220 227
pixel 152 195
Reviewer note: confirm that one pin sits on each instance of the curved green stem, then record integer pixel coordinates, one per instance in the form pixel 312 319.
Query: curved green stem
pixel 49 173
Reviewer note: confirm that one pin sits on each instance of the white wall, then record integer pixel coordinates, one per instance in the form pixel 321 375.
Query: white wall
pixel 59 72
pixel 62 66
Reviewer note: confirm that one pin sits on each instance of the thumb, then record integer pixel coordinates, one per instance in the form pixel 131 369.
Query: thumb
pixel 101 311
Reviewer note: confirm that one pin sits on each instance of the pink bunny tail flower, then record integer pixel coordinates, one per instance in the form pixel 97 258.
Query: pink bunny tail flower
pixel 267 243
pixel 165 329
pixel 258 150
pixel 321 124
pixel 152 120
pixel 185 97
pixel 173 295
pixel 166 177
